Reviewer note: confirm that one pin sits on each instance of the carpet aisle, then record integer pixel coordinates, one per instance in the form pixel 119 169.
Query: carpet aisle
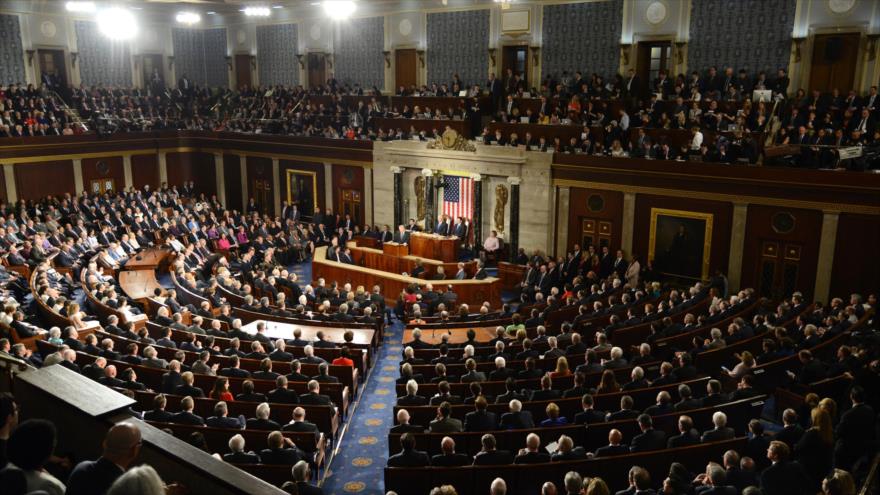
pixel 360 457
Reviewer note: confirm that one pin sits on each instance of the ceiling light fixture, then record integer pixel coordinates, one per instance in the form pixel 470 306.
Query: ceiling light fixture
pixel 257 11
pixel 188 18
pixel 116 23
pixel 80 6
pixel 339 9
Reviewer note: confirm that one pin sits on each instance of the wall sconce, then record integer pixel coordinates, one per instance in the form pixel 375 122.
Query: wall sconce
pixel 421 54
pixel 492 56
pixel 872 46
pixel 387 59
pixel 624 52
pixel 229 62
pixel 797 47
pixel 301 59
pixel 170 62
pixel 73 57
pixel 253 63
pixel 329 58
pixel 30 55
pixel 679 51
pixel 536 51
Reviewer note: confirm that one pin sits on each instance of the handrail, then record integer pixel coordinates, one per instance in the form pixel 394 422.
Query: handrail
pixel 872 476
pixel 8 360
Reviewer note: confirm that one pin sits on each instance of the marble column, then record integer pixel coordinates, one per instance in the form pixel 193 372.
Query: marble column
pixel 737 241
pixel 219 179
pixel 563 196
pixel 429 199
pixel 629 218
pixel 242 165
pixel 9 176
pixel 514 215
pixel 127 172
pixel 368 197
pixel 78 184
pixel 827 240
pixel 328 187
pixel 398 197
pixel 477 222
pixel 276 186
pixel 163 168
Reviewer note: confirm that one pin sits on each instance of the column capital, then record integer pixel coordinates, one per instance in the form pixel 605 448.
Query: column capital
pixel 477 177
pixel 427 172
pixel 514 181
pixel 395 169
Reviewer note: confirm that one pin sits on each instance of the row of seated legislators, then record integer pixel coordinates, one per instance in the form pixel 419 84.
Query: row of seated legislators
pixel 188 374
pixel 713 101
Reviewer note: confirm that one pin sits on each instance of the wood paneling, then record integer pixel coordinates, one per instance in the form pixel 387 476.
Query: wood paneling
pixel 405 70
pixel 259 169
pixel 109 167
pixel 722 213
pixel 803 238
pixel 192 166
pixel 579 208
pixel 856 264
pixel 3 197
pixel 145 170
pixel 317 168
pixel 36 180
pixel 232 181
pixel 243 70
pixel 834 61
pixel 351 180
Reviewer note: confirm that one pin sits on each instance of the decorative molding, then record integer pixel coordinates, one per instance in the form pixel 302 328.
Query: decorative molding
pixel 452 140
pixel 387 55
pixel 514 181
pixel 492 56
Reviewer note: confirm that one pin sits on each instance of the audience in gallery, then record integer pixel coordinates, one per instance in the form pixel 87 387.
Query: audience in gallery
pixel 718 101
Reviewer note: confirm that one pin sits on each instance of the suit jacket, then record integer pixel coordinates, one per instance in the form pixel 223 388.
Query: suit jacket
pixel 480 421
pixel 187 418
pixel 494 458
pixel 649 440
pixel 532 458
pixel 516 421
pixel 691 437
pixel 450 460
pixel 407 429
pixel 241 458
pixel 610 450
pixel 785 478
pixel 412 400
pixel 409 458
pixel 224 422
pixel 92 477
pixel 288 456
pixel 718 434
pixel 446 425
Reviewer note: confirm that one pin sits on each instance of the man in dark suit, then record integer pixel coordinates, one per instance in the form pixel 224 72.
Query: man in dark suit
pixel 855 432
pixel 721 430
pixel 403 425
pixel 688 435
pixel 496 91
pixel 261 420
pixel 715 482
pixel 158 413
pixel 302 473
pixel 480 419
pixel 238 455
pixel 299 423
pixel 448 457
pixel 792 431
pixel 122 444
pixel 614 447
pixel 412 397
pixel 408 455
pixel 649 439
pixel 220 419
pixel 445 423
pixel 278 454
pixel 516 419
pixel 532 453
pixel 547 392
pixel 588 415
pixel 489 455
pixel 186 416
pixel 783 477
pixel 401 236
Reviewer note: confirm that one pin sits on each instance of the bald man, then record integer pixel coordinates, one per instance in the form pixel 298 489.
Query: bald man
pixel 448 457
pixel 615 445
pixel 122 444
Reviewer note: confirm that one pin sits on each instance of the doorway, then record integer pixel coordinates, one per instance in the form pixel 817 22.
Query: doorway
pixel 595 232
pixel 779 268
pixel 834 61
pixel 53 70
pixel 405 67
pixel 653 56
pixel 152 64
pixel 516 58
pixel 317 69
pixel 243 71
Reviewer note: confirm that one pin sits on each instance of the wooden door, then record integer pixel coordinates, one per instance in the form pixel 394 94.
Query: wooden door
pixel 317 69
pixel 262 194
pixel 652 57
pixel 516 58
pixel 594 232
pixel 51 63
pixel 405 68
pixel 152 62
pixel 243 71
pixel 834 61
pixel 779 268
pixel 350 204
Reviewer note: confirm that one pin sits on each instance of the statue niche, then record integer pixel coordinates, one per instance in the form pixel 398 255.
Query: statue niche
pixel 500 203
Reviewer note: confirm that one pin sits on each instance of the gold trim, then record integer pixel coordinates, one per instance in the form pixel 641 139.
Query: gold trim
pixel 730 198
pixel 314 177
pixel 707 236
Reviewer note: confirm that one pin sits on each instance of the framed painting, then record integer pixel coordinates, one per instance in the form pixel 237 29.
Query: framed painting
pixel 302 190
pixel 680 242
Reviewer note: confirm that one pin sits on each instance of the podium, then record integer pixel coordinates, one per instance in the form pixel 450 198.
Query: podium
pixel 434 246
pixel 394 249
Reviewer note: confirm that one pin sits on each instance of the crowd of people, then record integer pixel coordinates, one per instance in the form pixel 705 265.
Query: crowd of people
pixel 715 100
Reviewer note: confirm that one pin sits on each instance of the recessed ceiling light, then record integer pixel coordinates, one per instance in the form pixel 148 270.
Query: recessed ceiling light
pixel 278 6
pixel 117 23
pixel 80 6
pixel 257 11
pixel 211 13
pixel 339 9
pixel 188 18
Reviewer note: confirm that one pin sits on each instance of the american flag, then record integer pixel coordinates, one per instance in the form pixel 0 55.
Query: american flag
pixel 458 197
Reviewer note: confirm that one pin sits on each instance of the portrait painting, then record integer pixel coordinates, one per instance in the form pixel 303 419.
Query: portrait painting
pixel 680 243
pixel 302 191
